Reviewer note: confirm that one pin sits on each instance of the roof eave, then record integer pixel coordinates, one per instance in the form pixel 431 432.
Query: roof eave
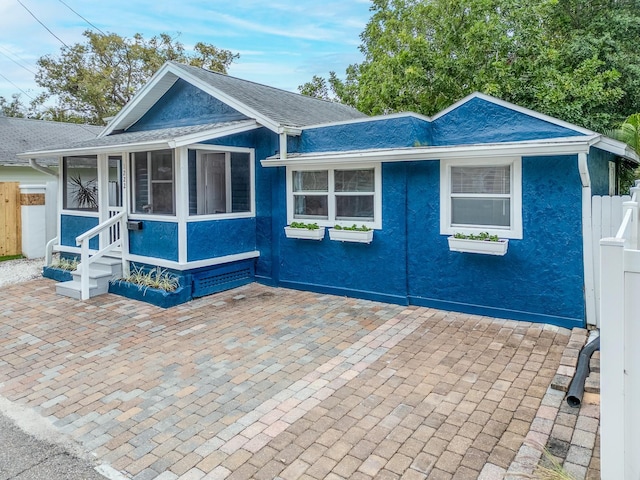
pixel 537 148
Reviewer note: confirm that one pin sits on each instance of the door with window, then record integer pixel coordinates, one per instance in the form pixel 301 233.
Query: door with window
pixel 115 193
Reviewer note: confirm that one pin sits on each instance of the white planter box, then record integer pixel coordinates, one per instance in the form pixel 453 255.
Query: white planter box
pixel 478 246
pixel 358 236
pixel 305 233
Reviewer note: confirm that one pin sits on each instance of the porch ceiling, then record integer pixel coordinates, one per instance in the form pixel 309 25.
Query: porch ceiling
pixel 144 140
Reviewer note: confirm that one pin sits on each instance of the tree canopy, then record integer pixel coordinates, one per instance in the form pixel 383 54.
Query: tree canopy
pixel 573 59
pixel 93 80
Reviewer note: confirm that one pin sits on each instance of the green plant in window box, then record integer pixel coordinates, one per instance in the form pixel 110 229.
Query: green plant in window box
pixel 484 236
pixel 482 242
pixel 308 226
pixel 307 231
pixel 354 233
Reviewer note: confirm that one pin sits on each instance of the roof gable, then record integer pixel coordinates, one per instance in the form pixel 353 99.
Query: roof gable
pixel 479 119
pixel 270 106
pixel 184 104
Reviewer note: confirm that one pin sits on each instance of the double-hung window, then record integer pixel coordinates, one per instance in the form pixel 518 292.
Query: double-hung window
pixel 154 182
pixel 479 195
pixel 335 195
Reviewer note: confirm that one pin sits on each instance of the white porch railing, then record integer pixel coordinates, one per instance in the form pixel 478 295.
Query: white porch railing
pixel 114 243
pixel 620 346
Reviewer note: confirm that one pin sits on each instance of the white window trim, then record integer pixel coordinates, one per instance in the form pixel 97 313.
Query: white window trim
pixel 228 150
pixel 150 182
pixel 330 222
pixel 514 231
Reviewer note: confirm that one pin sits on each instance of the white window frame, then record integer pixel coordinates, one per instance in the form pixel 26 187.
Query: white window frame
pixel 151 182
pixel 331 220
pixel 202 148
pixel 514 230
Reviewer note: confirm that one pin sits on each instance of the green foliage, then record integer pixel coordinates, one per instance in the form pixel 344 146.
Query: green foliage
pixel 484 236
pixel 13 107
pixel 576 60
pixel 6 258
pixel 94 80
pixel 353 227
pixel 628 132
pixel 154 278
pixel 308 226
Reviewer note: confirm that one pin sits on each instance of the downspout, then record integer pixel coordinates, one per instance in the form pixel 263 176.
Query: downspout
pixel 583 369
pixel 587 241
pixel 283 143
pixel 33 164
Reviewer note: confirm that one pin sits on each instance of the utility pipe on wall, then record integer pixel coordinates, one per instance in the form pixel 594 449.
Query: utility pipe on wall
pixel 587 239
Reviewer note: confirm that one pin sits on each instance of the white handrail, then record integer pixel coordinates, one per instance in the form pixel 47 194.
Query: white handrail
pixel 83 242
pixel 630 227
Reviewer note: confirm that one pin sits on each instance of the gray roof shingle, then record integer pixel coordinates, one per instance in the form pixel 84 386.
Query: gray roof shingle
pixel 283 107
pixel 19 135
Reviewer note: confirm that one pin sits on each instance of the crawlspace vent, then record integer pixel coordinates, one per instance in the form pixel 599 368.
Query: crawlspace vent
pixel 217 281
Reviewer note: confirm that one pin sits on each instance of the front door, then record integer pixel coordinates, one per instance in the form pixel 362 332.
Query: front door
pixel 113 197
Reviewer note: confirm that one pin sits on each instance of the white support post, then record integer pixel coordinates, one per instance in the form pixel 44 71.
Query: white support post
pixel 635 220
pixel 84 270
pixel 612 342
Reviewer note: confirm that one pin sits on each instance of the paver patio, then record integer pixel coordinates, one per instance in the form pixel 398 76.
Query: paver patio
pixel 261 382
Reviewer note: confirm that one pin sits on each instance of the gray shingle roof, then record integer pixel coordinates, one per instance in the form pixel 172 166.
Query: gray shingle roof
pixel 281 106
pixel 19 135
pixel 144 136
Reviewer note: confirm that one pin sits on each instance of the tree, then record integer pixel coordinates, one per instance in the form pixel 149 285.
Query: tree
pixel 564 59
pixel 13 108
pixel 94 80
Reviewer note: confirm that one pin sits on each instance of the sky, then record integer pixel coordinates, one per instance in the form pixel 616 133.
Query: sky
pixel 281 43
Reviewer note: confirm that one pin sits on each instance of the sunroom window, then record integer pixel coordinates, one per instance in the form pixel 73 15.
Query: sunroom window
pixel 481 195
pixel 80 183
pixel 219 182
pixel 337 195
pixel 154 182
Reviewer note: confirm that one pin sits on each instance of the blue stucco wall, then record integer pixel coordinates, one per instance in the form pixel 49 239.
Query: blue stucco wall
pixel 375 271
pixel 480 121
pixel 156 239
pixel 539 279
pixel 406 131
pixel 264 237
pixel 598 162
pixel 541 276
pixel 218 238
pixel 71 226
pixel 184 104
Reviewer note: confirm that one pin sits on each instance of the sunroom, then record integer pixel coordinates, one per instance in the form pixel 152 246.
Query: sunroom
pixel 177 198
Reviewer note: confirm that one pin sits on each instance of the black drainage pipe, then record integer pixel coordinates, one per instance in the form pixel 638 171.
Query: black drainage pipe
pixel 576 389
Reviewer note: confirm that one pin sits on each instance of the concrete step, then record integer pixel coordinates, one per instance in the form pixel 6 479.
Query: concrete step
pixel 101 272
pixel 72 289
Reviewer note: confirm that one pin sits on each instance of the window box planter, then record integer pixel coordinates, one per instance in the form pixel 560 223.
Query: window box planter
pixel 358 236
pixel 486 247
pixel 305 233
pixel 154 296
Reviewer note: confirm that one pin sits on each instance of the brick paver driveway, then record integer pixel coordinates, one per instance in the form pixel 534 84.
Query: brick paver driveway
pixel 261 382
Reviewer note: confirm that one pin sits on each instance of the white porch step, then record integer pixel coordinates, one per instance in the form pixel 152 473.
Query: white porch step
pixel 100 273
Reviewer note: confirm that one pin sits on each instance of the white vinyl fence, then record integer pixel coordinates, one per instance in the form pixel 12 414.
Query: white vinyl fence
pixel 606 215
pixel 620 346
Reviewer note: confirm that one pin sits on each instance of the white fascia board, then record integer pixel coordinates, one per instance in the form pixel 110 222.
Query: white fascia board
pixel 122 120
pixel 516 108
pixel 377 118
pixel 126 147
pixel 216 133
pixel 616 147
pixel 563 147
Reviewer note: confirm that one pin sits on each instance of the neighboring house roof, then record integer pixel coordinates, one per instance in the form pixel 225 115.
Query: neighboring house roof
pixel 270 106
pixel 147 139
pixel 18 135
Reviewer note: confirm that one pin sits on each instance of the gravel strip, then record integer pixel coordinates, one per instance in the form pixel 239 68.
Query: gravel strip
pixel 22 270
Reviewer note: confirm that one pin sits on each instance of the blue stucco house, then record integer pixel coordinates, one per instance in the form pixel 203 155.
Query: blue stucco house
pixel 202 172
